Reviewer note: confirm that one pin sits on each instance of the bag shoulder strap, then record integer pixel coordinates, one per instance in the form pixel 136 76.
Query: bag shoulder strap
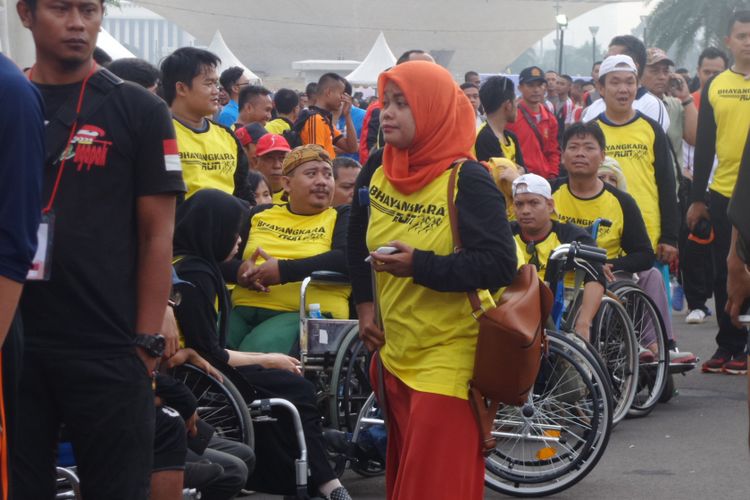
pixel 476 303
pixel 532 123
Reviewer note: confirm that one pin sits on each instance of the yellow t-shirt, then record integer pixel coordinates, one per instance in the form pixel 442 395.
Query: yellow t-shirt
pixel 729 96
pixel 633 145
pixel 277 126
pixel 277 197
pixel 209 158
pixel 285 235
pixel 584 212
pixel 430 336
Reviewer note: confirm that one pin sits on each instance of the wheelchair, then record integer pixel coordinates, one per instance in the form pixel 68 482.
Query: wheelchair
pixel 335 360
pixel 613 336
pixel 556 438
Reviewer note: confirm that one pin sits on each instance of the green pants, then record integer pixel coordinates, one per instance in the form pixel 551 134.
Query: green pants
pixel 254 329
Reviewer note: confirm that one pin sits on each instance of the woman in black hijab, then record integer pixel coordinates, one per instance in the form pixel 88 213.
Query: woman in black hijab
pixel 206 234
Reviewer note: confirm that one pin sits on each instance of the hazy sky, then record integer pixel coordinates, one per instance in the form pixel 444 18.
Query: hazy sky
pixel 614 19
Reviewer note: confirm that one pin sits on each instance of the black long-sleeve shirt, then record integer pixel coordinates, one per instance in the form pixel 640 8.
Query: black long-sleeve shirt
pixel 488 257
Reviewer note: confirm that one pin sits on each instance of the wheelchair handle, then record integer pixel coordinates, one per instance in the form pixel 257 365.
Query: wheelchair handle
pixel 577 250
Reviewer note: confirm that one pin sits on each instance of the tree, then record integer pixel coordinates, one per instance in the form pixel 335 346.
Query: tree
pixel 679 23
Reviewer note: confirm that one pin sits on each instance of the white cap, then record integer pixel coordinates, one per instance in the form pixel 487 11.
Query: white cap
pixel 619 62
pixel 532 184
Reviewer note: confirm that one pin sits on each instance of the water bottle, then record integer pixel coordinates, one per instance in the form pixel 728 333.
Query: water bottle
pixel 315 311
pixel 678 295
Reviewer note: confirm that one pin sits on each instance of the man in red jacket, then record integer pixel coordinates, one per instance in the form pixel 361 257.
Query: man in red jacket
pixel 535 126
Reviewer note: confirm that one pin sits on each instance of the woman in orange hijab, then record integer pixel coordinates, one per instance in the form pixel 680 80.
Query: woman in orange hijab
pixel 427 340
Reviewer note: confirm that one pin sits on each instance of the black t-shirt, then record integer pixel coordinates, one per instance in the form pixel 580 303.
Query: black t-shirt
pixel 122 150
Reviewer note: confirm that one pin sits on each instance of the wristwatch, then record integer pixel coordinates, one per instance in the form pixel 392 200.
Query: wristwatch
pixel 153 344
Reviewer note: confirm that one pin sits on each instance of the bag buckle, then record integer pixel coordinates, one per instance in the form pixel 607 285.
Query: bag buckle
pixel 478 313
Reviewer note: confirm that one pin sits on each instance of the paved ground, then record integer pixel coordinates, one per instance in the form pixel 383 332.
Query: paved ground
pixel 694 447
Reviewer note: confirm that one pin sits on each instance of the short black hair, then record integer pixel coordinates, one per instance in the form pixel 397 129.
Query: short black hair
pixel 738 16
pixel 343 162
pixel 285 100
pixel 328 79
pixel 136 70
pixel 633 48
pixel 311 89
pixel 596 63
pixel 469 74
pixel 581 82
pixel 567 78
pixel 468 85
pixel 230 76
pixel 581 129
pixel 183 65
pixel 713 53
pixel 551 71
pixel 101 57
pixel 32 6
pixel 249 92
pixel 406 55
pixel 347 86
pixel 495 91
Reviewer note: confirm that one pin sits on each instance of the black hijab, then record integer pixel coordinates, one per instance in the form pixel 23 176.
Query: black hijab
pixel 206 230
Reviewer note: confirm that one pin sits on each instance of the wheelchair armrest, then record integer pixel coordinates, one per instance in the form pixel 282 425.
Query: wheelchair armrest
pixel 329 277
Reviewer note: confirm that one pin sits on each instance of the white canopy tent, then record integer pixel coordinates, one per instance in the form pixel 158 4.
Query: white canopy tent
pixel 378 60
pixel 111 46
pixel 228 59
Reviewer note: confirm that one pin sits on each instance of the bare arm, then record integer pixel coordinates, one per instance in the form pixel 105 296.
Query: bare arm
pixel 690 123
pixel 155 229
pixel 10 291
pixel 270 360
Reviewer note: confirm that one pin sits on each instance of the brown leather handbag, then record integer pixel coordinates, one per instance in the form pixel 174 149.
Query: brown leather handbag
pixel 511 339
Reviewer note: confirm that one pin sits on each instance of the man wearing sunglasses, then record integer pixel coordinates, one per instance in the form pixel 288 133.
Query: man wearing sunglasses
pixel 538 235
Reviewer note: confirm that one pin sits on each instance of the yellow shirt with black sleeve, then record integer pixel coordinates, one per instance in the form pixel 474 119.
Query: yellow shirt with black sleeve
pixel 626 240
pixel 430 335
pixel 278 125
pixel 278 197
pixel 488 145
pixel 212 158
pixel 640 147
pixel 538 252
pixel 303 244
pixel 723 122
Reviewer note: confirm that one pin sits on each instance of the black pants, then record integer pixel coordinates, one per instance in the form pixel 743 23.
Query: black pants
pixel 170 440
pixel 275 442
pixel 237 460
pixel 107 406
pixel 696 271
pixel 731 338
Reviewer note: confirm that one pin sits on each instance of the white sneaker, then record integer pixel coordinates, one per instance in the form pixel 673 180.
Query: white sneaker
pixel 695 317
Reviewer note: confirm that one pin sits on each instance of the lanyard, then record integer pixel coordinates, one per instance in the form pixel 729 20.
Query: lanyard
pixel 48 207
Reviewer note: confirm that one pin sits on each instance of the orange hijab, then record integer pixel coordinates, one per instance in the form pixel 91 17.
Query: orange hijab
pixel 445 125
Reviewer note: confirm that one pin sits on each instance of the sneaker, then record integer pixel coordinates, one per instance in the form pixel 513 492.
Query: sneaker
pixel 696 317
pixel 646 357
pixel 717 361
pixel 737 365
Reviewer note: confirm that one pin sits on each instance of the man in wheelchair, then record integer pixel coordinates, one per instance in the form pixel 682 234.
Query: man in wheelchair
pixel 538 235
pixel 282 245
pixel 582 198
pixel 207 234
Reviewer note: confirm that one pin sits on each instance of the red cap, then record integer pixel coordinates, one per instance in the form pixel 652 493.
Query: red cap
pixel 271 142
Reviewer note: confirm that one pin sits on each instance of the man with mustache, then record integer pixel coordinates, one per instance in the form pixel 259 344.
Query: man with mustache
pixel 281 246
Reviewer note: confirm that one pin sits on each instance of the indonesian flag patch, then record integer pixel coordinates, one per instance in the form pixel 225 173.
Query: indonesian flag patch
pixel 171 156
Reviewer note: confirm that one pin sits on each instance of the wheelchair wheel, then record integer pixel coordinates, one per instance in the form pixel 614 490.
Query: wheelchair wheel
pixel 351 382
pixel 219 404
pixel 559 435
pixel 653 358
pixel 613 337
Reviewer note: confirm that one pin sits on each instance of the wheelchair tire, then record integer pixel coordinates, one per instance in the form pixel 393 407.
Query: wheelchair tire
pixel 220 404
pixel 350 382
pixel 613 337
pixel 557 438
pixel 653 369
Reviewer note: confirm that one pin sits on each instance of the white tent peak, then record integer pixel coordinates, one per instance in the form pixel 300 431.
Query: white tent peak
pixel 219 47
pixel 111 46
pixel 378 60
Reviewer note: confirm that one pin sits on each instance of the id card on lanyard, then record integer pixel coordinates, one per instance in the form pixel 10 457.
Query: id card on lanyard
pixel 41 266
